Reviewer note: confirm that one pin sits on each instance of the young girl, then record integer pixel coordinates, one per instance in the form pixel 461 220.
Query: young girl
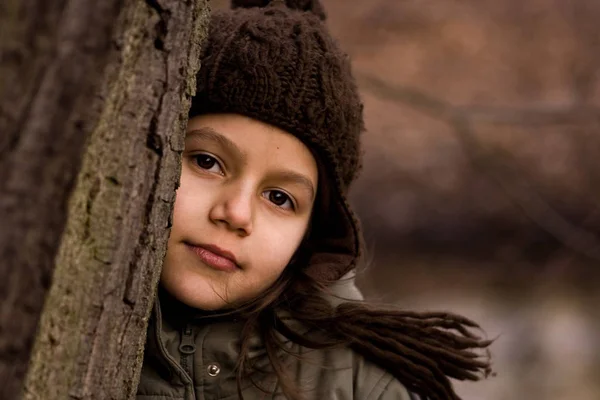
pixel 257 299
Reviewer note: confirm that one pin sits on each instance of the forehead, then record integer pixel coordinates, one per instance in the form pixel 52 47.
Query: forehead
pixel 256 140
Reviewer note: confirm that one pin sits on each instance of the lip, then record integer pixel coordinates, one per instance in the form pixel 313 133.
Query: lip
pixel 215 257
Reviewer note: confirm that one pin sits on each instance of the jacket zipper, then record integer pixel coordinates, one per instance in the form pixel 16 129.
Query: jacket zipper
pixel 187 348
pixel 167 356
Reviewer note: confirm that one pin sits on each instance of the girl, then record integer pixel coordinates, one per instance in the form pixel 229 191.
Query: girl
pixel 257 299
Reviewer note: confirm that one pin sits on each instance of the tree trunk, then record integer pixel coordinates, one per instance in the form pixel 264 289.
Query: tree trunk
pixel 93 107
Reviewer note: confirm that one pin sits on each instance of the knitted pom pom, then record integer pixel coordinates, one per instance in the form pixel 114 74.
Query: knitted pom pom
pixel 313 6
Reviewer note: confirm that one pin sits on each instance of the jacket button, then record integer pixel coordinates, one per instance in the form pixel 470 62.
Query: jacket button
pixel 213 370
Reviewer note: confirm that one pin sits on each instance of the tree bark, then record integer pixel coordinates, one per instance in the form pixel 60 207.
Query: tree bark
pixel 93 107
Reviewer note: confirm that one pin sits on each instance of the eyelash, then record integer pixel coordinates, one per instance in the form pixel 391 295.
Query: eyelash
pixel 212 158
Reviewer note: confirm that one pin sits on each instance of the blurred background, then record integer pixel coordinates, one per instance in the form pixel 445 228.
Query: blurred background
pixel 480 192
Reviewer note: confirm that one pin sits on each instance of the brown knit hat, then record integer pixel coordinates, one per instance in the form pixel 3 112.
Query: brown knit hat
pixel 275 61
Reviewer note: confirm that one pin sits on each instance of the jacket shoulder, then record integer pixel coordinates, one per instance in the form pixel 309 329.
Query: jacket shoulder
pixel 372 382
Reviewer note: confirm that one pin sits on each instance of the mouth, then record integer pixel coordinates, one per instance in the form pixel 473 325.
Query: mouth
pixel 215 257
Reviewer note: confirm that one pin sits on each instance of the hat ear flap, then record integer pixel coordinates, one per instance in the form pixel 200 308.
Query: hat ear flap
pixel 334 239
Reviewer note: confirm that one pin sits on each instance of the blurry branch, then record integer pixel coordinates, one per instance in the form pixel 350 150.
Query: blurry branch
pixel 413 98
pixel 531 116
pixel 494 165
pixel 436 108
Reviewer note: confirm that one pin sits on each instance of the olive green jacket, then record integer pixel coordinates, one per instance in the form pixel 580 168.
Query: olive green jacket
pixel 196 361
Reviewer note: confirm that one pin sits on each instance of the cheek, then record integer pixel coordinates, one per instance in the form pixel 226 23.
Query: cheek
pixel 277 250
pixel 191 203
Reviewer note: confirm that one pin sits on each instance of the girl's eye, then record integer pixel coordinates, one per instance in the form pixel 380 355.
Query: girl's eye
pixel 279 198
pixel 208 162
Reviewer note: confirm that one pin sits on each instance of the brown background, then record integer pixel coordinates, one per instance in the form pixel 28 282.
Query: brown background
pixel 481 185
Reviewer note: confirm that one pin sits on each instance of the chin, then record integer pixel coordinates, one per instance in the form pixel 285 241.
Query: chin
pixel 208 304
pixel 202 298
pixel 194 293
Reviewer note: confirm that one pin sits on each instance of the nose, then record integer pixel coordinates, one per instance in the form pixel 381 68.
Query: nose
pixel 234 210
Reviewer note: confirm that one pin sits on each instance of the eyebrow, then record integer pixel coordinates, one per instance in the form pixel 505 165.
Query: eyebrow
pixel 208 133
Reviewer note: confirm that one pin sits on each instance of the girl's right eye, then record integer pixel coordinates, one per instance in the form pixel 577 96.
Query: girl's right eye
pixel 208 163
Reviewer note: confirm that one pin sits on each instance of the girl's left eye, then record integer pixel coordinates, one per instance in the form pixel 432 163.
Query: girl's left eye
pixel 279 198
pixel 208 162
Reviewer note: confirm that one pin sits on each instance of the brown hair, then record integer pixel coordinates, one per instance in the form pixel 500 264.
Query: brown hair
pixel 422 350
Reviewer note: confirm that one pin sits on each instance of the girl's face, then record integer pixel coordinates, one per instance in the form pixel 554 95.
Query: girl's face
pixel 243 207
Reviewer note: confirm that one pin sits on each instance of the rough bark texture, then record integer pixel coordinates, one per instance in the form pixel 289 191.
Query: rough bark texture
pixel 93 106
